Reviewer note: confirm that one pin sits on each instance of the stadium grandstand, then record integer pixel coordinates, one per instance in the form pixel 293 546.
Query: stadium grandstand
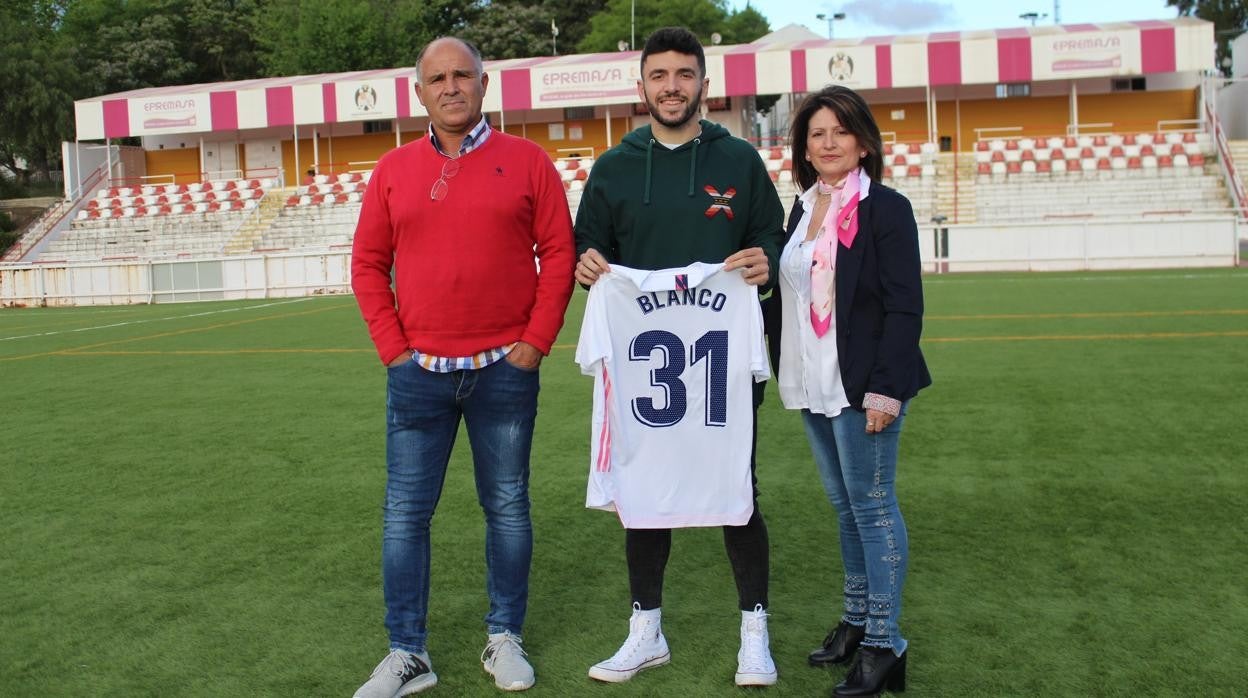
pixel 1044 147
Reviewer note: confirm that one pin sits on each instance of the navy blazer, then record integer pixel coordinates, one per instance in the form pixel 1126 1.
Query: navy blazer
pixel 879 301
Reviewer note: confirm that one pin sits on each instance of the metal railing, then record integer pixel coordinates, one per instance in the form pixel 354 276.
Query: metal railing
pixel 53 217
pixel 1227 164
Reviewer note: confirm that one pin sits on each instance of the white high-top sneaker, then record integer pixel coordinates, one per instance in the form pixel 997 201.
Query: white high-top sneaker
pixel 754 664
pixel 645 647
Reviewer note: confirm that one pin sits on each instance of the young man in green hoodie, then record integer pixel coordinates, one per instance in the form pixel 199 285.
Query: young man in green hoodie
pixel 679 191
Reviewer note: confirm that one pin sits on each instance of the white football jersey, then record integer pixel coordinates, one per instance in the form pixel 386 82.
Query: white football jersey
pixel 672 353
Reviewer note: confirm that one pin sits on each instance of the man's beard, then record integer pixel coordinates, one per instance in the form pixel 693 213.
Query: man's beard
pixel 693 107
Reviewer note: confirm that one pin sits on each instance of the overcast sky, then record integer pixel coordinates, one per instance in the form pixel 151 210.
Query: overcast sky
pixel 885 17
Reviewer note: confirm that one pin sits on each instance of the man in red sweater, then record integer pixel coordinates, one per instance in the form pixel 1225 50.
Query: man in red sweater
pixel 457 218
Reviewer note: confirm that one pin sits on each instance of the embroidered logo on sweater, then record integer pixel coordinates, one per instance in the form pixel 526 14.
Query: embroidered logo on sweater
pixel 720 202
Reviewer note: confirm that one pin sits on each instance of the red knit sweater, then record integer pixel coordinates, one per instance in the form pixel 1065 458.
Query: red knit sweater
pixel 464 273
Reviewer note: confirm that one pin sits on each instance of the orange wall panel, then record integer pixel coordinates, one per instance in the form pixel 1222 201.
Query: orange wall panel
pixel 1129 112
pixel 182 163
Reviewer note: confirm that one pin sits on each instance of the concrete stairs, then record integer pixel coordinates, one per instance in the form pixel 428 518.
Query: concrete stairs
pixel 955 188
pixel 1239 158
pixel 252 230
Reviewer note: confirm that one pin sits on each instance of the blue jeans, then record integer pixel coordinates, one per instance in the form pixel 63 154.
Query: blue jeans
pixel 499 405
pixel 859 471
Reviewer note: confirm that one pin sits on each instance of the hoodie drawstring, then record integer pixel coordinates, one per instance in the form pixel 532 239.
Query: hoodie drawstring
pixel 693 161
pixel 645 199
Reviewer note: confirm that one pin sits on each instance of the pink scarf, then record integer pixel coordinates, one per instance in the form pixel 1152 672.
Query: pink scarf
pixel 843 217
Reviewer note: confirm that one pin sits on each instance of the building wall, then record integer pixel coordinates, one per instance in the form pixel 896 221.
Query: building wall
pixel 1128 112
pixel 181 163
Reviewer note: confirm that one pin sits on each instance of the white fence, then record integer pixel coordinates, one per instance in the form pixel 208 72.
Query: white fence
pixel 1041 246
pixel 1088 244
pixel 173 281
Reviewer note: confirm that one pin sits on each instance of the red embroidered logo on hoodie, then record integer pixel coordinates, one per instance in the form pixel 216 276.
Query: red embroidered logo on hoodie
pixel 720 202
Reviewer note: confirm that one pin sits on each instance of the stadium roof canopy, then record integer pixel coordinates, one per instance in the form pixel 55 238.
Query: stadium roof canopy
pixel 1025 54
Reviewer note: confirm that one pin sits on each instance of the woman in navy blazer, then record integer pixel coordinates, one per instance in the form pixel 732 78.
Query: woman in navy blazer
pixel 846 318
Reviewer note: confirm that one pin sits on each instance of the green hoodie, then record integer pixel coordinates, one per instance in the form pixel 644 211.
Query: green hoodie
pixel 650 207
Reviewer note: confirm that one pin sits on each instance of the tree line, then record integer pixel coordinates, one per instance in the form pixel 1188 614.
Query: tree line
pixel 53 52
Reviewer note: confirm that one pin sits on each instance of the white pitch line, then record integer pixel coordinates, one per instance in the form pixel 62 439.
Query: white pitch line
pixel 965 278
pixel 162 319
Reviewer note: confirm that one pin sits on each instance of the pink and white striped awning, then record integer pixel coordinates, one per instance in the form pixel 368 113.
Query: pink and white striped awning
pixel 1028 54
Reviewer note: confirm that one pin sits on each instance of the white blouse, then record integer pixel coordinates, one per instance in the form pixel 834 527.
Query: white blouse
pixel 810 371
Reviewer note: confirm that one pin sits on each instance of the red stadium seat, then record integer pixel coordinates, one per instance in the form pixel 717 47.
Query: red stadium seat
pixel 1116 152
pixel 899 159
pixel 582 175
pixel 775 176
pixel 1087 153
pixel 93 204
pixel 1074 165
pixel 1057 154
pixel 777 153
pixel 1103 164
pixel 1070 142
pixel 292 200
pixel 164 210
pixel 230 185
pixel 998 156
pixel 234 195
pixel 340 199
pixel 1133 164
pixel 253 184
pixel 1189 137
pixel 185 198
pixel 985 168
pixel 572 164
pixel 1165 161
pixel 981 146
pixel 1011 144
pixel 1098 141
pixel 216 205
pixel 162 200
pixel 1014 167
pixel 1146 150
pixel 236 205
pixel 1196 160
pixel 112 192
pixel 140 210
pixel 1128 139
pixel 1177 149
pixel 93 213
pixel 1029 155
pixel 915 171
pixel 1044 166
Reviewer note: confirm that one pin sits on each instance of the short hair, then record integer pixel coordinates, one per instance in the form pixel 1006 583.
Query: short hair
pixel 855 116
pixel 676 39
pixel 476 54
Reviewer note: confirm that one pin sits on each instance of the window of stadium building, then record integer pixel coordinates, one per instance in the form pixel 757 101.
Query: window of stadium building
pixel 1015 89
pixel 1128 85
pixel 384 126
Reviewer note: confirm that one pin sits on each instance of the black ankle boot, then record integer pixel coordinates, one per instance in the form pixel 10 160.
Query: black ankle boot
pixel 838 647
pixel 874 669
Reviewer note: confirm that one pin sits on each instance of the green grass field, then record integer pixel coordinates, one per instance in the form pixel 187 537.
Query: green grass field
pixel 190 505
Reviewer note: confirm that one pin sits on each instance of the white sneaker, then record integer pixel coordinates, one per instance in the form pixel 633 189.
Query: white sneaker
pixel 503 658
pixel 754 664
pixel 401 673
pixel 645 647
